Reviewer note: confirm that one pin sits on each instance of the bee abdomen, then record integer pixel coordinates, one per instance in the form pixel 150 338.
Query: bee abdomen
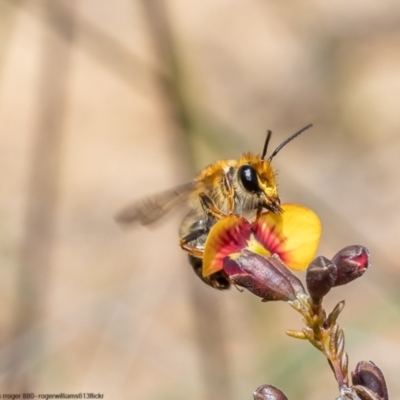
pixel 218 280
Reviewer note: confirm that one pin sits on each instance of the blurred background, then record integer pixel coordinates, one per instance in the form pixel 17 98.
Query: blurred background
pixel 105 102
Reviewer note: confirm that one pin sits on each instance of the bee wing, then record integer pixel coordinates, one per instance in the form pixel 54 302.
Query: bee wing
pixel 152 208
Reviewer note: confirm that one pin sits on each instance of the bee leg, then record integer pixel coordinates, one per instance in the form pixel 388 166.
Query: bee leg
pixel 195 234
pixel 212 213
pixel 191 250
pixel 209 207
pixel 230 193
pixel 184 242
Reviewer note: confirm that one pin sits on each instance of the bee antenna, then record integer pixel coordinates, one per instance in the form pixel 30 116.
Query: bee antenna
pixel 289 139
pixel 269 134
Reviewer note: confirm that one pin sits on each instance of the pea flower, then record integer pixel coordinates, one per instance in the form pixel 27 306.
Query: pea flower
pixel 292 235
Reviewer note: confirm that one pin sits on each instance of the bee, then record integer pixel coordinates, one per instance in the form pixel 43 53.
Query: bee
pixel 242 186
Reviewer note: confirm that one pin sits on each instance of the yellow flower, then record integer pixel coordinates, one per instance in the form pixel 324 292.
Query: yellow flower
pixel 293 235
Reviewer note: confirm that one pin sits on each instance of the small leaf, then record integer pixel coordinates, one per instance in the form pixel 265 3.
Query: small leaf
pixel 340 342
pixel 344 363
pixel 296 334
pixel 333 316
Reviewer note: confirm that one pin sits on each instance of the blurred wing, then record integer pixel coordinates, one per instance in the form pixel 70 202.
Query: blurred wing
pixel 152 208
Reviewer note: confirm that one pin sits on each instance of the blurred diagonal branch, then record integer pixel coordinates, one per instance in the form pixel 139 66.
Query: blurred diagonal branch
pixel 7 23
pixel 106 50
pixel 42 198
pixel 110 53
pixel 172 84
pixel 209 327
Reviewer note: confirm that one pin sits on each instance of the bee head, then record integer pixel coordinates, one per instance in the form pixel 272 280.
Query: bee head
pixel 257 180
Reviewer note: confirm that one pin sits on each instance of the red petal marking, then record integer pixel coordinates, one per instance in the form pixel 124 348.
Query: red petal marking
pixel 229 235
pixel 270 237
pixel 362 260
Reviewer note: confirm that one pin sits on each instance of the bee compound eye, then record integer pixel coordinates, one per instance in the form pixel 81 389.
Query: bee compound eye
pixel 248 178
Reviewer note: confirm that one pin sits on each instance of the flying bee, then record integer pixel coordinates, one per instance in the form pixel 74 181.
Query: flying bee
pixel 244 186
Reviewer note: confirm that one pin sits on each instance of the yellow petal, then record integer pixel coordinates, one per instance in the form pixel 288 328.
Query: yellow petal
pixel 293 235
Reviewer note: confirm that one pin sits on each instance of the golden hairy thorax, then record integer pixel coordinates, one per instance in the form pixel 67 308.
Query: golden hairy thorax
pixel 211 182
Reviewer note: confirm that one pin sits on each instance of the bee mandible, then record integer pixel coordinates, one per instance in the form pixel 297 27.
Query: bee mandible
pixel 240 186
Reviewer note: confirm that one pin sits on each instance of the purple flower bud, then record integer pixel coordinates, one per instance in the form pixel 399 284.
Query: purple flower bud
pixel 320 278
pixel 351 262
pixel 367 374
pixel 260 275
pixel 287 273
pixel 268 392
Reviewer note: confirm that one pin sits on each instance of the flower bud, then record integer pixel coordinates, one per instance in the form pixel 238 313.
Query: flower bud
pixel 351 262
pixel 276 261
pixel 259 275
pixel 320 278
pixel 367 374
pixel 268 392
